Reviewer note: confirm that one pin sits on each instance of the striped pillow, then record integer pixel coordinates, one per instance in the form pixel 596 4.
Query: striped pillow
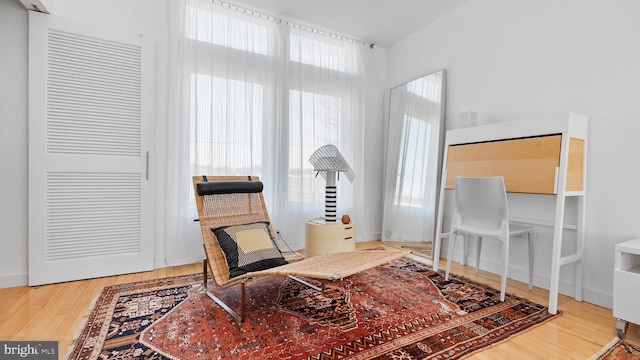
pixel 248 248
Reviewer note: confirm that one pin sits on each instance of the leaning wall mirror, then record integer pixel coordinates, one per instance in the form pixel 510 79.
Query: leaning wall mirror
pixel 414 155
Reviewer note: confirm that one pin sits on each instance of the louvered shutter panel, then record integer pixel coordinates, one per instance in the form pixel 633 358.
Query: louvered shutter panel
pixel 90 199
pixel 93 95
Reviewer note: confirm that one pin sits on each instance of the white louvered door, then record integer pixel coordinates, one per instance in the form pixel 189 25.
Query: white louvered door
pixel 90 107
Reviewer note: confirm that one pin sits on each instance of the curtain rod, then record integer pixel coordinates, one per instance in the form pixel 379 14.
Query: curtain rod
pixel 292 24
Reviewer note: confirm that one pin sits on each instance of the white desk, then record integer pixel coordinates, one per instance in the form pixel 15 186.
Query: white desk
pixel 546 155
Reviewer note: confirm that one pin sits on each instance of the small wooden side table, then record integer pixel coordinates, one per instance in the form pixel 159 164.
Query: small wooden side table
pixel 324 237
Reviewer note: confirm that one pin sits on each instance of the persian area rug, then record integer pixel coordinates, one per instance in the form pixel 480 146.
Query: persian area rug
pixel 421 250
pixel 617 349
pixel 402 310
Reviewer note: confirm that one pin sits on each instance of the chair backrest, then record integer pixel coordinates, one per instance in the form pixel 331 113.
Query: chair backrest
pixel 227 201
pixel 481 201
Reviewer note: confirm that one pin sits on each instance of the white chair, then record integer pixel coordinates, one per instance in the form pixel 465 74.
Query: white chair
pixel 481 210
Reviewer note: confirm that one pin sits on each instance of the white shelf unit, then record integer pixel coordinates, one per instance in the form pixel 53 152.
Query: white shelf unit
pixel 626 285
pixel 568 181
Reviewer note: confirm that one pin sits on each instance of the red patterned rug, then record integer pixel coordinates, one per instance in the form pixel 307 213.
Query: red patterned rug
pixel 421 250
pixel 403 310
pixel 618 349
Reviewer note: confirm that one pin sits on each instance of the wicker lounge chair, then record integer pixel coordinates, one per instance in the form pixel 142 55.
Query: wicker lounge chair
pixel 232 211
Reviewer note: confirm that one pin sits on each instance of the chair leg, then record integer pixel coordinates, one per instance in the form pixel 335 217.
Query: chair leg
pixel 243 305
pixel 452 241
pixel 505 267
pixel 239 318
pixel 530 243
pixel 205 290
pixel 463 261
pixel 306 283
pixel 205 265
pixel 478 249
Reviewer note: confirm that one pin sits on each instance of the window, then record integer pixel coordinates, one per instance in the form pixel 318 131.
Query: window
pixel 412 169
pixel 425 88
pixel 313 119
pixel 251 95
pixel 317 53
pixel 264 95
pixel 227 31
pixel 226 126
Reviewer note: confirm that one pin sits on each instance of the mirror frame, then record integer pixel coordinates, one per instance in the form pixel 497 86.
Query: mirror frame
pixel 391 173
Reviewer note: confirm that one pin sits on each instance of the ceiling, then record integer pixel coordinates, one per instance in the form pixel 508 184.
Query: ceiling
pixel 381 22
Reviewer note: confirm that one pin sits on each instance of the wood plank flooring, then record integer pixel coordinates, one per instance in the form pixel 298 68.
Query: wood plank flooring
pixel 56 312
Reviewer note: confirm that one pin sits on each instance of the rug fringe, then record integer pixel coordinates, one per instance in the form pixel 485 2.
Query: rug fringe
pixel 83 323
pixel 421 259
pixel 510 337
pixel 605 348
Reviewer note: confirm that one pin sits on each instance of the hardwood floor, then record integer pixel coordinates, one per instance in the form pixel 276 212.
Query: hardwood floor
pixel 56 312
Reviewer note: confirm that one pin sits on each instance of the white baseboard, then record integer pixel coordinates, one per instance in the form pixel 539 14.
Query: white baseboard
pixel 565 288
pixel 598 298
pixel 161 262
pixel 7 281
pixel 589 295
pixel 369 237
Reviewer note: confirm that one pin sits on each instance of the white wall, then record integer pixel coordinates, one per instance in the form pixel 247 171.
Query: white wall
pixel 513 59
pixel 148 17
pixel 504 60
pixel 13 143
pixel 376 115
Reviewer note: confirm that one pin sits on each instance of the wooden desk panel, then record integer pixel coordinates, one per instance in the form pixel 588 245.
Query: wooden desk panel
pixel 575 165
pixel 527 165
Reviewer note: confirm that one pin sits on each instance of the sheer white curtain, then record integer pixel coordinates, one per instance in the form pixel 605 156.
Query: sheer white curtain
pixel 250 95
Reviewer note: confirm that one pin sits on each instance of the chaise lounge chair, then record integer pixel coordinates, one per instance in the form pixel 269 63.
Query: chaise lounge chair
pixel 240 245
